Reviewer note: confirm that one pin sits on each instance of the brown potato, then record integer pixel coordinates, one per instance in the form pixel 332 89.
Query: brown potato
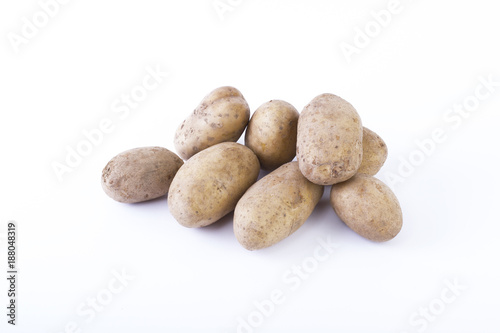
pixel 374 153
pixel 140 174
pixel 329 140
pixel 221 116
pixel 367 206
pixel 209 184
pixel 275 207
pixel 272 133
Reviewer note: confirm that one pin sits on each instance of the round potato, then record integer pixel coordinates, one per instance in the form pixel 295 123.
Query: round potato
pixel 140 174
pixel 272 133
pixel 329 140
pixel 275 207
pixel 374 153
pixel 367 206
pixel 209 184
pixel 221 116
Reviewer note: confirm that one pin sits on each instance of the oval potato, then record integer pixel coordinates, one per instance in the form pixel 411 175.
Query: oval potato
pixel 140 174
pixel 272 133
pixel 209 184
pixel 275 207
pixel 367 206
pixel 221 116
pixel 329 140
pixel 374 153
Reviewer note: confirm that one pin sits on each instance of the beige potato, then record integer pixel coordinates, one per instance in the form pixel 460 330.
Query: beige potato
pixel 272 133
pixel 374 153
pixel 221 116
pixel 275 207
pixel 209 184
pixel 329 140
pixel 367 206
pixel 140 174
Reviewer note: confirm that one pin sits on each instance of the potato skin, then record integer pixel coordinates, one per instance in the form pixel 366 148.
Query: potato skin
pixel 275 207
pixel 367 206
pixel 374 153
pixel 140 174
pixel 329 140
pixel 209 184
pixel 221 116
pixel 272 133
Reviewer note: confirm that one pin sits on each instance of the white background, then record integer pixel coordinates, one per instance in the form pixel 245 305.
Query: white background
pixel 72 237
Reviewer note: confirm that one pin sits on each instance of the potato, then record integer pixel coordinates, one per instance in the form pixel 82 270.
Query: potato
pixel 329 140
pixel 367 206
pixel 272 133
pixel 209 184
pixel 140 174
pixel 275 207
pixel 374 153
pixel 221 116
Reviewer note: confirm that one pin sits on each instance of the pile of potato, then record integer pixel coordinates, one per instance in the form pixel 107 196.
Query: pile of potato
pixel 219 175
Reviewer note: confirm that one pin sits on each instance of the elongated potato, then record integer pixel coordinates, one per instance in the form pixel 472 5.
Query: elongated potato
pixel 275 207
pixel 140 174
pixel 221 116
pixel 374 153
pixel 367 206
pixel 329 140
pixel 272 133
pixel 209 184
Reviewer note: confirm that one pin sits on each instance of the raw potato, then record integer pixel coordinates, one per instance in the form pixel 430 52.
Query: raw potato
pixel 329 140
pixel 140 174
pixel 275 207
pixel 367 206
pixel 374 153
pixel 209 184
pixel 272 133
pixel 221 116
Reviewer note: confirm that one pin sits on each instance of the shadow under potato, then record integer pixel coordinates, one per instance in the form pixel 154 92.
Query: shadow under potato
pixel 149 202
pixel 219 224
pixel 324 213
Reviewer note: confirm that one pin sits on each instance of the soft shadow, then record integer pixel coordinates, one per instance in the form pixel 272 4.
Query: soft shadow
pixel 263 173
pixel 219 224
pixel 323 207
pixel 324 215
pixel 149 202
